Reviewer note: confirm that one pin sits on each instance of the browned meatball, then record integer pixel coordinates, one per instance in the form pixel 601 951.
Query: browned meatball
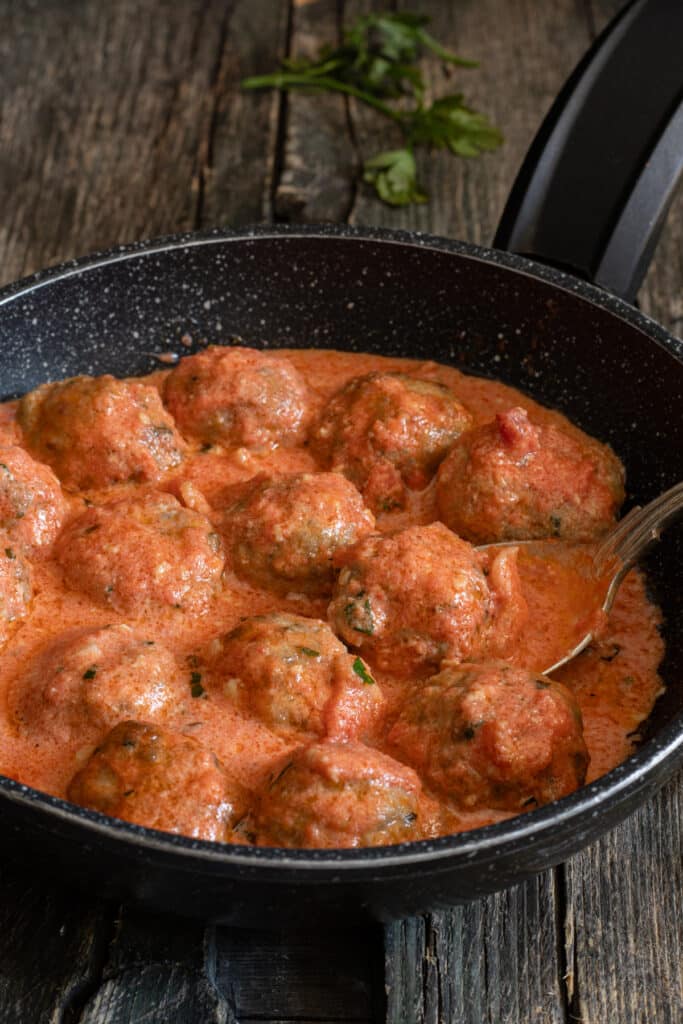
pixel 490 735
pixel 16 589
pixel 238 396
pixel 98 431
pixel 284 531
pixel 295 675
pixel 409 599
pixel 32 507
pixel 153 777
pixel 512 480
pixel 90 679
pixel 339 795
pixel 386 432
pixel 136 554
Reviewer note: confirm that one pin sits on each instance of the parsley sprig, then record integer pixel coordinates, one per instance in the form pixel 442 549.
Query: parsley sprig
pixel 377 64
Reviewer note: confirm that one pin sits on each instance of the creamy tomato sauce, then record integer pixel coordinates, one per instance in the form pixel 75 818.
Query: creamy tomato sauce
pixel 614 682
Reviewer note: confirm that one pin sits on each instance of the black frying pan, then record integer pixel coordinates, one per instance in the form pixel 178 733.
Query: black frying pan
pixel 562 340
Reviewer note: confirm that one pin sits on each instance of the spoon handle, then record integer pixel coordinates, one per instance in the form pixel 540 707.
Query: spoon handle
pixel 632 535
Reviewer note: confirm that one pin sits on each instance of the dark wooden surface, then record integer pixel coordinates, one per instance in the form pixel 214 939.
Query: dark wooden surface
pixel 120 120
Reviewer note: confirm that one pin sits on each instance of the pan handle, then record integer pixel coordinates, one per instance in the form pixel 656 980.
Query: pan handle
pixel 594 189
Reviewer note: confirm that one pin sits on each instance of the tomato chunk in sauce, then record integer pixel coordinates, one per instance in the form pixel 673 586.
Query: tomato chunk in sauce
pixel 241 600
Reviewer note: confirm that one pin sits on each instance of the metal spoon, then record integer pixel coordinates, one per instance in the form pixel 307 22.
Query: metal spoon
pixel 612 557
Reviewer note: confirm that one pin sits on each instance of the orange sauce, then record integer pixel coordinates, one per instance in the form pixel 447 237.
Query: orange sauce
pixel 615 681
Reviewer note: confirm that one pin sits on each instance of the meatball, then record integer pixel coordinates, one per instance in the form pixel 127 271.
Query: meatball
pixel 87 681
pixel 135 554
pixel 99 431
pixel 16 589
pixel 387 432
pixel 409 599
pixel 293 674
pixel 339 795
pixel 283 531
pixel 32 507
pixel 160 779
pixel 238 396
pixel 490 735
pixel 512 480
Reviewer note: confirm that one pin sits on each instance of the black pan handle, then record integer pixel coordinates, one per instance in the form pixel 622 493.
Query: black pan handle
pixel 594 189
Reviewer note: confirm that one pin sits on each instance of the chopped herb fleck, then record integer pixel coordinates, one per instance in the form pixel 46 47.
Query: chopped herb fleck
pixel 468 732
pixel 309 652
pixel 281 774
pixel 10 553
pixel 196 688
pixel 359 616
pixel 556 523
pixel 91 672
pixel 361 671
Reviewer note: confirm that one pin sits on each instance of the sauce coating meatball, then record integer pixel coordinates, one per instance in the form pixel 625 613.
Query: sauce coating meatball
pixel 160 779
pixel 410 599
pixel 99 431
pixel 293 674
pixel 16 589
pixel 32 506
pixel 87 681
pixel 238 396
pixel 512 480
pixel 387 432
pixel 284 531
pixel 135 554
pixel 490 735
pixel 339 795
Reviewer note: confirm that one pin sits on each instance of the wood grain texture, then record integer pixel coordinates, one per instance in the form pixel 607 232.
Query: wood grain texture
pixel 319 975
pixel 51 946
pixel 157 968
pixel 317 179
pixel 493 960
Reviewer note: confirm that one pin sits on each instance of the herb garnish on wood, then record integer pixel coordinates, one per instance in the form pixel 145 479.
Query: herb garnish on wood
pixel 377 64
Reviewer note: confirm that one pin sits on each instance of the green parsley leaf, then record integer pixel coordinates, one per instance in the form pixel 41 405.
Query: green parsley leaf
pixel 361 671
pixel 91 672
pixel 377 64
pixel 10 553
pixel 449 124
pixel 394 176
pixel 309 652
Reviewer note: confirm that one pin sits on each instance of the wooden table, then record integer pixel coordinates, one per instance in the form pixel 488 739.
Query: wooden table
pixel 122 120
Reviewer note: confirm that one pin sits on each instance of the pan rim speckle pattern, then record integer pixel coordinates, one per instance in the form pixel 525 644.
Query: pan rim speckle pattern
pixel 656 760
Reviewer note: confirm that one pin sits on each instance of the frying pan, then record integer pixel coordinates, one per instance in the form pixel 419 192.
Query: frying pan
pixel 538 324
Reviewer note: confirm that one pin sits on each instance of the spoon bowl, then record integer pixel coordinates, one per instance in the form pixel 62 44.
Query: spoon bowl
pixel 584 580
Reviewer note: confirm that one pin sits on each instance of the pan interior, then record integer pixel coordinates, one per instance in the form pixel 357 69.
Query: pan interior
pixel 616 377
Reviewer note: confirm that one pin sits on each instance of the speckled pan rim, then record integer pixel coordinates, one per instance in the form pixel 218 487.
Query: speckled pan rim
pixel 661 755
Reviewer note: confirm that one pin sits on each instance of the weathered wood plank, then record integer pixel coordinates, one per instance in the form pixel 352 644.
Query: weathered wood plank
pixel 624 924
pixel 319 975
pixel 491 960
pixel 123 121
pixel 317 181
pixel 158 969
pixel 241 138
pixel 51 947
